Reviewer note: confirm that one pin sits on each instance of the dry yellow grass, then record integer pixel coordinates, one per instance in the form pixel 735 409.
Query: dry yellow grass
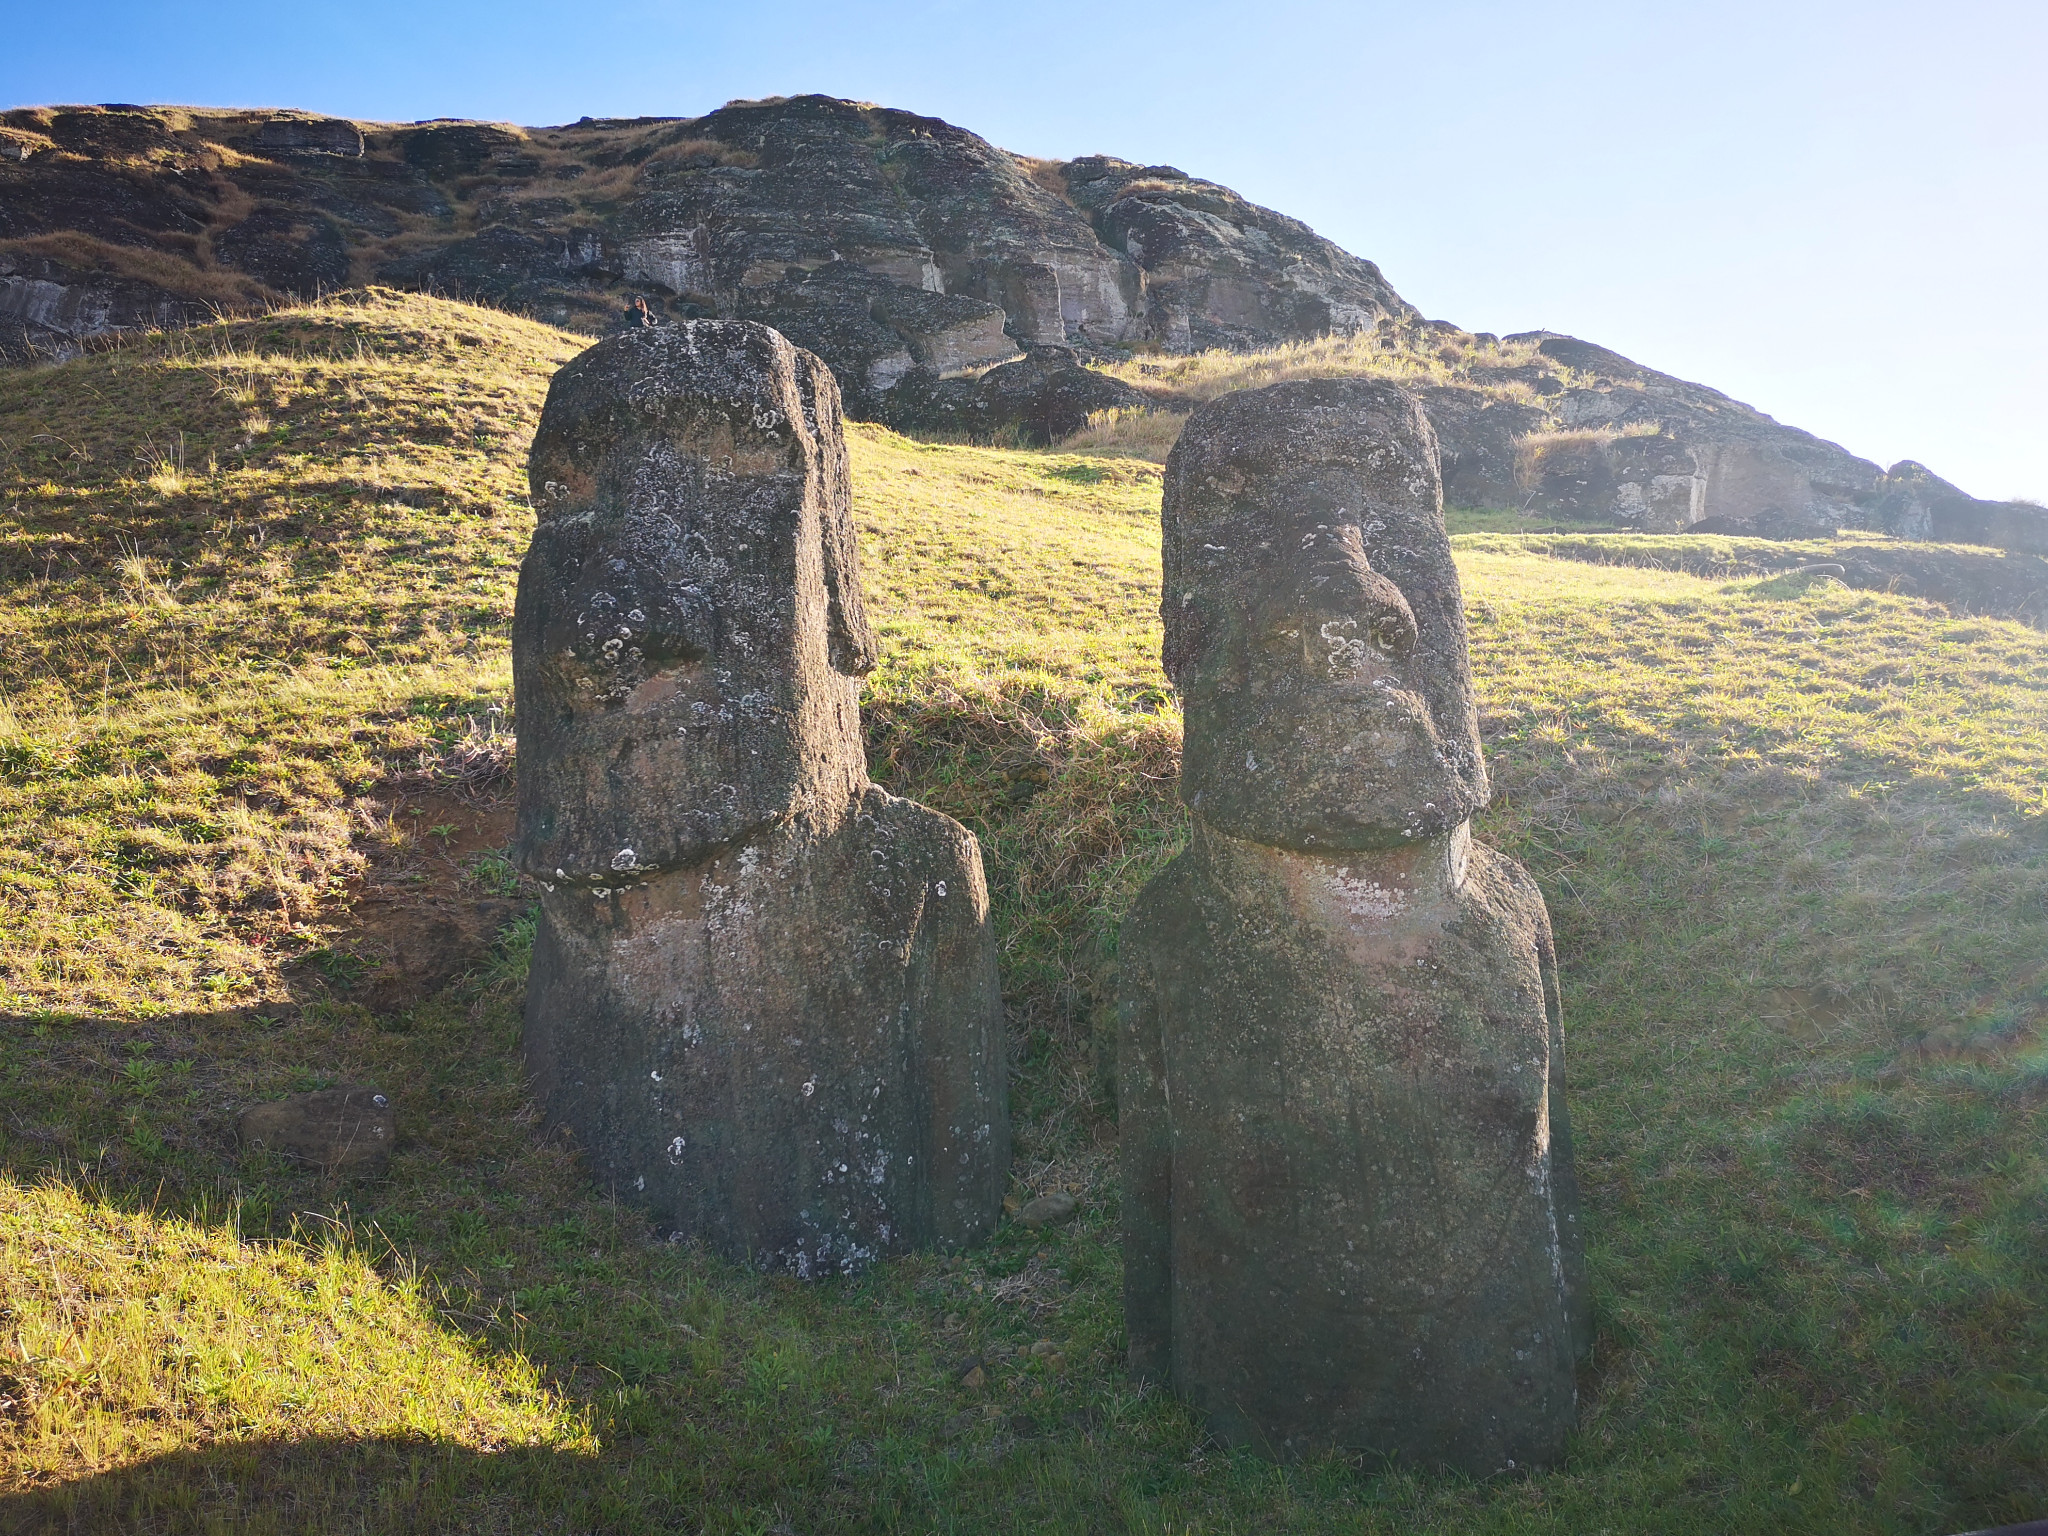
pixel 1407 358
pixel 129 1335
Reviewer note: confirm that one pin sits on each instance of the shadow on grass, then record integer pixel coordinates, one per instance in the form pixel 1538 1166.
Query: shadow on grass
pixel 268 1488
pixel 1803 1021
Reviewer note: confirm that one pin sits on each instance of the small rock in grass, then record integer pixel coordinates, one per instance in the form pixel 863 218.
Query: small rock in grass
pixel 957 1425
pixel 1048 1210
pixel 337 1129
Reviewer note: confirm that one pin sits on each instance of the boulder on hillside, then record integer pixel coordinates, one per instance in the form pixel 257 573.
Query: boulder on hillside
pixel 1046 396
pixel 1042 397
pixel 1913 502
pixel 311 136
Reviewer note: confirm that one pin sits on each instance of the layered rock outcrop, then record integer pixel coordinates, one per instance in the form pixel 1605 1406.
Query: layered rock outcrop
pixel 763 991
pixel 1350 1215
pixel 901 249
pixel 912 255
pixel 1607 439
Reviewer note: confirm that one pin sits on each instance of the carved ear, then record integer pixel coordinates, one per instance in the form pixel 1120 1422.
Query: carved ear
pixel 850 639
pixel 1181 648
pixel 852 644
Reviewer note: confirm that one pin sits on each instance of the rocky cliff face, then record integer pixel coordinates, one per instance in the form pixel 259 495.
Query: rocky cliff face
pixel 948 283
pixel 1601 437
pixel 1606 438
pixel 890 244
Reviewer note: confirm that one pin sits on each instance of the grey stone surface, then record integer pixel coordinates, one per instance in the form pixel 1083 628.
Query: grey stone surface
pixel 1350 1217
pixel 338 1130
pixel 1048 1210
pixel 299 135
pixel 763 992
pixel 1915 503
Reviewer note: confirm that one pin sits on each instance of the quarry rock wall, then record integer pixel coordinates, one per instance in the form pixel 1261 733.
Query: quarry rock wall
pixel 911 255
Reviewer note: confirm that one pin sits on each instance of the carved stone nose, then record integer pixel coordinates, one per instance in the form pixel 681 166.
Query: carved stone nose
pixel 1368 604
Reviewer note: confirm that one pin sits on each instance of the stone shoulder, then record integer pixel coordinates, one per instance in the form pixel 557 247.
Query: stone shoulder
pixel 923 844
pixel 1500 890
pixel 1157 908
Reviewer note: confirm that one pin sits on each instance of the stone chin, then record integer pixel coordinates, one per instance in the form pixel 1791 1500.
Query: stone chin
pixel 1312 779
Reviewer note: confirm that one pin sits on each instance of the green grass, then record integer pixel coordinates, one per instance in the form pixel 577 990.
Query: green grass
pixel 1792 837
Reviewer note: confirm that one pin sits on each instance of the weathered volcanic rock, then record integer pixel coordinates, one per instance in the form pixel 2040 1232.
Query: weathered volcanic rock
pixel 443 151
pixel 910 254
pixel 1915 503
pixel 1040 398
pixel 1479 439
pixel 763 991
pixel 338 1130
pixel 1746 470
pixel 289 249
pixel 1221 271
pixel 1350 1218
pixel 1656 481
pixel 48 310
pixel 311 136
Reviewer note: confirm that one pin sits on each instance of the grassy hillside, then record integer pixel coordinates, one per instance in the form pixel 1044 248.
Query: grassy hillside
pixel 254 760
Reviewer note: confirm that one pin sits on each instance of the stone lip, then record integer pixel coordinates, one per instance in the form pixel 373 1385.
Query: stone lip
pixel 689 629
pixel 1313 620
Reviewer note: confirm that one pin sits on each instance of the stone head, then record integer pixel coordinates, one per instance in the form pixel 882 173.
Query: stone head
pixel 1314 625
pixel 689 631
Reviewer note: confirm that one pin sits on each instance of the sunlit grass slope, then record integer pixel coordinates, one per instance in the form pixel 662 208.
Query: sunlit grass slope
pixel 1792 836
pixel 246 567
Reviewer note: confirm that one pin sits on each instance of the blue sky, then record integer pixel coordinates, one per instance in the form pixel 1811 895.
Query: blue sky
pixel 1837 212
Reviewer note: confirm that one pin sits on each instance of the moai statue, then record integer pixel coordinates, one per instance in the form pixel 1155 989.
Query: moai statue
pixel 763 993
pixel 1350 1220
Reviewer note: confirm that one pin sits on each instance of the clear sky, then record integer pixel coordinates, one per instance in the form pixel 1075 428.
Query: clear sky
pixel 1835 211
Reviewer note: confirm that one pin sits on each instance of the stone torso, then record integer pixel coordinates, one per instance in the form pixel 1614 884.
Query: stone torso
pixel 763 993
pixel 788 1050
pixel 1337 1085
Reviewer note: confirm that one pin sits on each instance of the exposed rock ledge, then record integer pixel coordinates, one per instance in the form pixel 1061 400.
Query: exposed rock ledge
pixel 949 284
